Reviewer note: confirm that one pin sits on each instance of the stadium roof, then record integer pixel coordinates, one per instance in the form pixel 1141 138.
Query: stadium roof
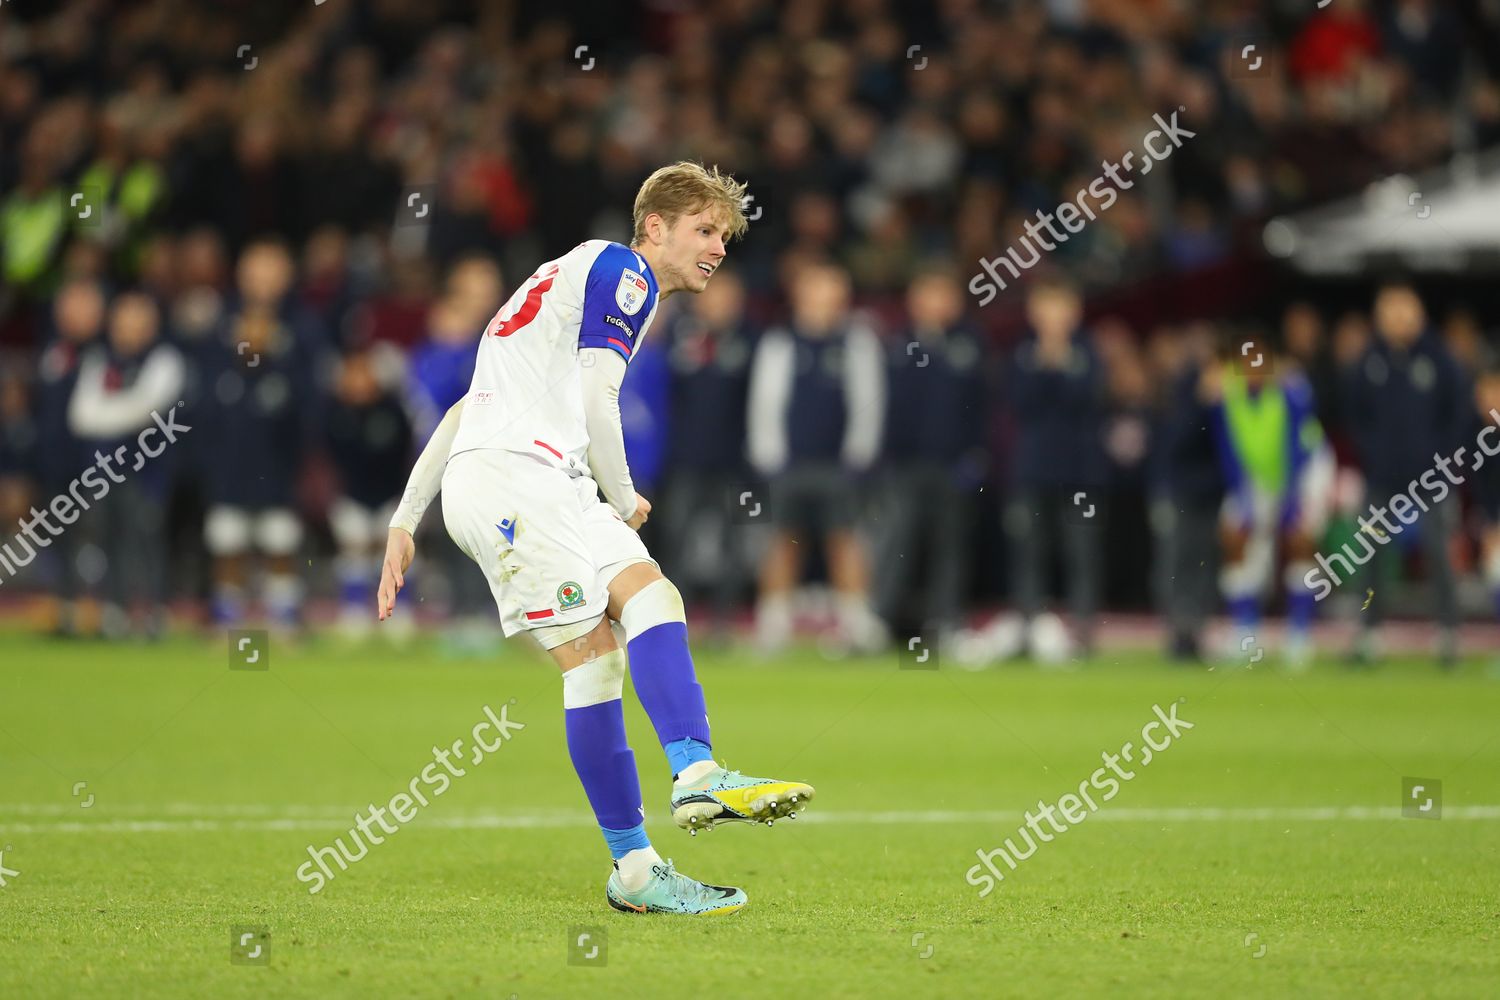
pixel 1444 220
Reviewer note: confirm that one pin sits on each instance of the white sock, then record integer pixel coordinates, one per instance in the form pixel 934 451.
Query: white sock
pixel 773 619
pixel 694 771
pixel 855 616
pixel 635 867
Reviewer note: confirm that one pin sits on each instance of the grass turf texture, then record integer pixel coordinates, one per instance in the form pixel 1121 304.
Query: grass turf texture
pixel 132 897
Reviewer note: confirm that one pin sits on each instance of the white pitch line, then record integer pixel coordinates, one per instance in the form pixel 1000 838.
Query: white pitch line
pixel 232 819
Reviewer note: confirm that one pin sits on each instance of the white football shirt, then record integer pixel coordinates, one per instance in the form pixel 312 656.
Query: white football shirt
pixel 526 395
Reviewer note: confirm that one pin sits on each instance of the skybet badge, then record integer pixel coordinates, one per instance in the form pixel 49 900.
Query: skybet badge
pixel 569 595
pixel 631 293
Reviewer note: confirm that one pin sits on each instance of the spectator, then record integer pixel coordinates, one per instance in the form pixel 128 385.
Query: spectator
pixel 122 390
pixel 327 289
pixel 932 459
pixel 257 416
pixel 851 156
pixel 1056 389
pixel 817 403
pixel 708 346
pixel 442 368
pixel 34 216
pixel 370 440
pixel 1302 339
pixel 442 363
pixel 78 315
pixel 1407 403
pixel 1187 493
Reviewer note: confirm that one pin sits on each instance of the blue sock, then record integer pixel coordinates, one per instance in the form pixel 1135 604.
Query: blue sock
pixel 1497 602
pixel 1245 612
pixel 681 753
pixel 661 667
pixel 354 589
pixel 1299 607
pixel 606 767
pixel 622 842
pixel 228 606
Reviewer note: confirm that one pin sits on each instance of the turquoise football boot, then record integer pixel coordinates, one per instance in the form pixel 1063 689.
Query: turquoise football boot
pixel 670 891
pixel 730 797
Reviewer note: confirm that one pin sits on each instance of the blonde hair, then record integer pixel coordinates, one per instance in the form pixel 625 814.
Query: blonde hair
pixel 686 188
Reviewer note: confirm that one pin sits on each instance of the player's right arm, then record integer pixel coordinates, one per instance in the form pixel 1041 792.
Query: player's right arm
pixel 425 482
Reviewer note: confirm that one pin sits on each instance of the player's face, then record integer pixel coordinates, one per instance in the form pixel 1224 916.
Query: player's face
pixel 1054 312
pixel 692 251
pixel 1399 316
pixel 820 299
pixel 1253 361
pixel 934 303
pixel 132 324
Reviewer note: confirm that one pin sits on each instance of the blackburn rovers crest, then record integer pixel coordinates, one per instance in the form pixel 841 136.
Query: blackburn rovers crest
pixel 569 595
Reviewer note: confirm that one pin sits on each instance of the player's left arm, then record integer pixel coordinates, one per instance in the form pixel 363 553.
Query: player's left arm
pixel 603 372
pixel 618 302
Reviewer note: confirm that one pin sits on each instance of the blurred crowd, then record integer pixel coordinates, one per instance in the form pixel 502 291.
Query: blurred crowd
pixel 288 223
pixel 880 132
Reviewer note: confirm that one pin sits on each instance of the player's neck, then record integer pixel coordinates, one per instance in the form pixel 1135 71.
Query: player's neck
pixel 664 285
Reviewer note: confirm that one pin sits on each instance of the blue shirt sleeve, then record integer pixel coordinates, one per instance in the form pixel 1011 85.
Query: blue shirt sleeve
pixel 617 299
pixel 1302 422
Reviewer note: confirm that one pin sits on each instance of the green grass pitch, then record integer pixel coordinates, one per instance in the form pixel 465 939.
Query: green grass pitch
pixel 1262 854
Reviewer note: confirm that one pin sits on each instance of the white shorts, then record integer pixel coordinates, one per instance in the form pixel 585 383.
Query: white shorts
pixel 357 528
pixel 233 531
pixel 547 544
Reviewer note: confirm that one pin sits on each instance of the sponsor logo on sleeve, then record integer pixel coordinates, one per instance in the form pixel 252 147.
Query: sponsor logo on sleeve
pixel 630 294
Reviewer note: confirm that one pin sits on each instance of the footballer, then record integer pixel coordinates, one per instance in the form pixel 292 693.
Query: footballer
pixel 522 461
pixel 1278 470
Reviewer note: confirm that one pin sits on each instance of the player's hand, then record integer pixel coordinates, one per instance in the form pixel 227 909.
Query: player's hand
pixel 400 550
pixel 642 512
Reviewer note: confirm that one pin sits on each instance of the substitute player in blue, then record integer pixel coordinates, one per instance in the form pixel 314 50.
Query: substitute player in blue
pixel 1278 475
pixel 522 461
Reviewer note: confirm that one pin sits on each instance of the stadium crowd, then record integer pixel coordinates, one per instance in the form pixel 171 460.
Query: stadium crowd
pixel 287 224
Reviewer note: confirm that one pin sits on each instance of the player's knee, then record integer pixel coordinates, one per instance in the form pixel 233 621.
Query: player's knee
pixel 278 532
pixel 576 642
pixel 595 681
pixel 657 603
pixel 353 526
pixel 226 531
